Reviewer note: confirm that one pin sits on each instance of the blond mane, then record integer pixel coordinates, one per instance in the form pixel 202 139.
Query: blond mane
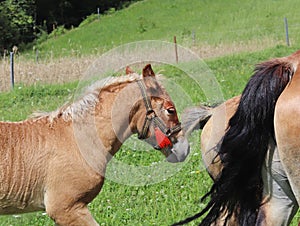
pixel 76 109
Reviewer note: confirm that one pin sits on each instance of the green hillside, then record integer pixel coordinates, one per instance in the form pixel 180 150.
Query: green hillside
pixel 195 23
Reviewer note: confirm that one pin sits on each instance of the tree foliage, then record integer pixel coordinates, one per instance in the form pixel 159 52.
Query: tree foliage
pixel 71 12
pixel 16 22
pixel 22 20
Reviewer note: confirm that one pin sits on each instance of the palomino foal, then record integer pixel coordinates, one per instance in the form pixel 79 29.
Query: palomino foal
pixel 56 161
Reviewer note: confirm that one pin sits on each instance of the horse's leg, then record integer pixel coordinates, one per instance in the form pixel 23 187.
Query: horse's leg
pixel 279 205
pixel 290 157
pixel 65 208
pixel 276 212
pixel 287 128
pixel 66 201
pixel 77 215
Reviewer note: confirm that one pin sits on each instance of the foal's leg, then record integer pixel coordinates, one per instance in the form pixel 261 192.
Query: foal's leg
pixel 279 205
pixel 66 202
pixel 75 215
pixel 78 217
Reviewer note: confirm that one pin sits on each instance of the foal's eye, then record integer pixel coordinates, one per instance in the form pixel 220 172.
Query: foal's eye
pixel 171 111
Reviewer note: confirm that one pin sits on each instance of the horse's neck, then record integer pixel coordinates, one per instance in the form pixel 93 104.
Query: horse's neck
pixel 113 113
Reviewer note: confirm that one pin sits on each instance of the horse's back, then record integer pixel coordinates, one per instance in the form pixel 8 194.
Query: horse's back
pixel 287 129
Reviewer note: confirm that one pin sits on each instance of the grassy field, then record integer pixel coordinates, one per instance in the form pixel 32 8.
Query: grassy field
pixel 152 204
pixel 209 27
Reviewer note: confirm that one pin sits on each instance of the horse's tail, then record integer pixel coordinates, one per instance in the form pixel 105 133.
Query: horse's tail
pixel 195 118
pixel 238 188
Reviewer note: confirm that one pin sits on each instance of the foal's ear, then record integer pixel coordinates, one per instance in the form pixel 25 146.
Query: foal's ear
pixel 128 70
pixel 147 71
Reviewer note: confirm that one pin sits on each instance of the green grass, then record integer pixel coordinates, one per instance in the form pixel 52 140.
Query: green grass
pixel 233 71
pixel 25 100
pixel 162 203
pixel 194 22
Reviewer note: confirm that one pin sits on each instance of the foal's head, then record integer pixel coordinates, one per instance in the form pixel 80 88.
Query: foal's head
pixel 154 118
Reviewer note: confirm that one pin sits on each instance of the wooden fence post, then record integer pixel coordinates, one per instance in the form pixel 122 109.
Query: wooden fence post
pixel 194 37
pixel 176 52
pixel 12 76
pixel 37 56
pixel 286 32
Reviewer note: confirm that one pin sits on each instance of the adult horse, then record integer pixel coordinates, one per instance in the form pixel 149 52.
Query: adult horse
pixel 255 182
pixel 56 161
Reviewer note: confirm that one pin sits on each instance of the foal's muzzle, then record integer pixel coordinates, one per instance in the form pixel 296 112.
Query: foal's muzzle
pixel 179 151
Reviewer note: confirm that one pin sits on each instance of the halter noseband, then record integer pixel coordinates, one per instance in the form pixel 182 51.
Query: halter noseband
pixel 160 128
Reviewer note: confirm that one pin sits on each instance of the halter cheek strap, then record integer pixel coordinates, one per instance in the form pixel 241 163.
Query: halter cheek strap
pixel 162 132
